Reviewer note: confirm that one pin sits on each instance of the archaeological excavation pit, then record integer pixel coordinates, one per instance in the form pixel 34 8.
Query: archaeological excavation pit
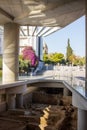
pixel 47 106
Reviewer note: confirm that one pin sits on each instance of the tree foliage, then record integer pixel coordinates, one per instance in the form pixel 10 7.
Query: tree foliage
pixel 30 56
pixel 72 59
pixel 56 57
pixel 79 61
pixel 69 51
pixel 53 58
pixel 27 59
pixel 22 63
pixel 46 58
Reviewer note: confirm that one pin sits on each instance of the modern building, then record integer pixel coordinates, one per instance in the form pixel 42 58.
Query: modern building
pixel 45 13
pixel 30 36
pixel 33 36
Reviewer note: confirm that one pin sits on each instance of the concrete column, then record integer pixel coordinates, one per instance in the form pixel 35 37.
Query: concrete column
pixel 40 48
pixel 82 119
pixel 67 92
pixel 19 100
pixel 10 52
pixel 0 98
pixel 86 46
pixel 11 101
pixel 81 104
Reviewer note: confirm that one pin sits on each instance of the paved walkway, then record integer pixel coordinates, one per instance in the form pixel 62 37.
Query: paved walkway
pixel 58 72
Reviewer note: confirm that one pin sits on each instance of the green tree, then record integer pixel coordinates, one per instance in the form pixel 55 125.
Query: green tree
pixel 76 60
pixel 72 59
pixel 46 58
pixel 56 57
pixel 82 61
pixel 23 64
pixel 69 51
pixel 53 58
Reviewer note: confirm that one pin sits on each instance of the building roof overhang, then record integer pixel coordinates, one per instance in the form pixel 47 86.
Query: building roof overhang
pixel 50 13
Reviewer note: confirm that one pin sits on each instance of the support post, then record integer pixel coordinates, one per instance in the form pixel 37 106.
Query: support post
pixel 19 100
pixel 86 47
pixel 66 92
pixel 10 52
pixel 82 119
pixel 11 101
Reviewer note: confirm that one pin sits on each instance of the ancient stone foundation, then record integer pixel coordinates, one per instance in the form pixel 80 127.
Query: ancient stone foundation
pixel 45 112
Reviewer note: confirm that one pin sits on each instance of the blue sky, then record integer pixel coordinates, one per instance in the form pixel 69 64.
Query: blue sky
pixel 57 42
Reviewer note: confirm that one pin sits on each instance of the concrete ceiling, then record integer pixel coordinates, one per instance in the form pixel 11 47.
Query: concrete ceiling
pixel 50 13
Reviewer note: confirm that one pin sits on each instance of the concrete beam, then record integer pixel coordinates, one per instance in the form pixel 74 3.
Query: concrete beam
pixel 6 14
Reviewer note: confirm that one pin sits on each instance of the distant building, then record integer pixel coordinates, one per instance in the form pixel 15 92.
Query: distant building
pixel 28 37
pixel 31 36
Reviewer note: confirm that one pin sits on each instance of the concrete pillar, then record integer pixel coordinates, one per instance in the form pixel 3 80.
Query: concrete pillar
pixel 19 100
pixel 40 48
pixel 16 94
pixel 0 98
pixel 86 46
pixel 10 52
pixel 82 119
pixel 82 114
pixel 81 104
pixel 66 92
pixel 11 101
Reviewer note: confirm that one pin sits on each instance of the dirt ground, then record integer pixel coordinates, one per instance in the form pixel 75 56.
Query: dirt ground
pixel 62 116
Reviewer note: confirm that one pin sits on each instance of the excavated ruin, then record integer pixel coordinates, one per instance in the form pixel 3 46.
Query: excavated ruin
pixel 45 111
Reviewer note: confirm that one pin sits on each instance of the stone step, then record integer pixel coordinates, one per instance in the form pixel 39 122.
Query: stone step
pixel 9 124
pixel 16 111
pixel 35 126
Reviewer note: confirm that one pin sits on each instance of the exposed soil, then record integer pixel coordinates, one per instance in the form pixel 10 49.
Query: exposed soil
pixel 62 116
